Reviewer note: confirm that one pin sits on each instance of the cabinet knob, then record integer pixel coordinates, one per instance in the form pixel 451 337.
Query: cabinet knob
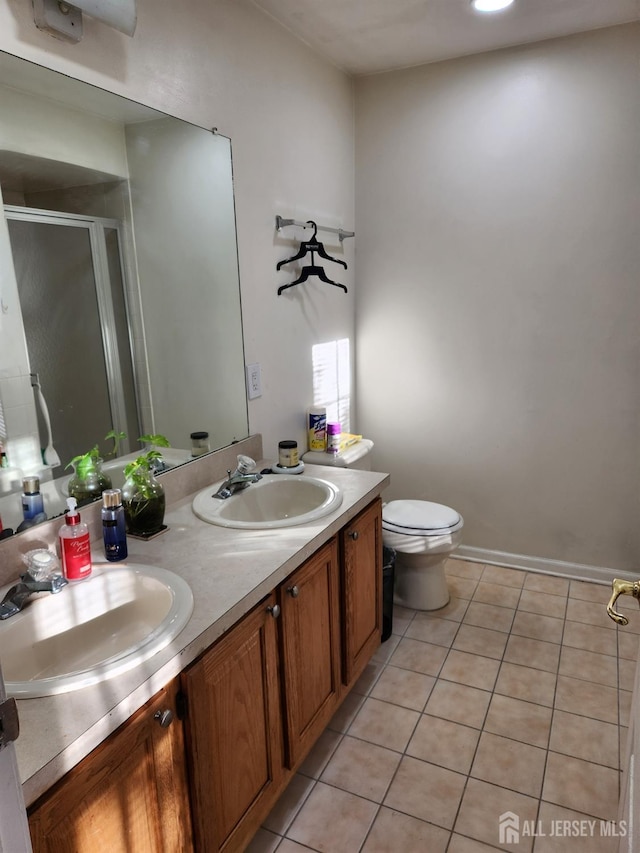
pixel 164 718
pixel 293 591
pixel 354 535
pixel 274 610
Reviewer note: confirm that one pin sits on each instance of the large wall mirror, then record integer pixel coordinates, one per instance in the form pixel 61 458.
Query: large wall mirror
pixel 119 290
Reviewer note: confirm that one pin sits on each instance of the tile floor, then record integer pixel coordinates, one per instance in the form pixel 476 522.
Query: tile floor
pixel 515 697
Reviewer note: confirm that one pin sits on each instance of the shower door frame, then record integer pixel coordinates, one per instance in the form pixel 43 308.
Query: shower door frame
pixel 96 227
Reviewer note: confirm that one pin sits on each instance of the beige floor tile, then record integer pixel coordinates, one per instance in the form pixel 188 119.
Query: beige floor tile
pixel 459 703
pixel 581 785
pixel 333 821
pixel 481 809
pixel 589 612
pixel 481 641
pixel 317 760
pixel 539 582
pixel 394 831
pixel 587 699
pixel 504 576
pixel 522 682
pixel 464 568
pixel 402 617
pixel 426 791
pixel 454 610
pixel 403 687
pixel 461 844
pixel 474 670
pixel 533 653
pixel 461 587
pixel 627 645
pixel 590 666
pixel 384 724
pixel 494 593
pixel 586 591
pixel 444 743
pixel 386 649
pixel 624 702
pixel 586 738
pixel 543 603
pixel 509 763
pixel 368 678
pixel 419 656
pixel 626 673
pixel 558 823
pixel 519 720
pixel 538 627
pixel 489 616
pixel 289 846
pixel 433 629
pixel 263 842
pixel 343 717
pixel 579 635
pixel 361 768
pixel 289 804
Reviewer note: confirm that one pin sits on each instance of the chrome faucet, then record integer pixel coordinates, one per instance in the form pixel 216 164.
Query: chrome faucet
pixel 240 479
pixel 18 595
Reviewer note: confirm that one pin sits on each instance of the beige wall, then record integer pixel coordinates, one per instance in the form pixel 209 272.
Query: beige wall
pixel 498 310
pixel 289 114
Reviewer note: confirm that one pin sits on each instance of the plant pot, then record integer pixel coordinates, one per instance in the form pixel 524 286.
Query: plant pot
pixel 88 481
pixel 144 503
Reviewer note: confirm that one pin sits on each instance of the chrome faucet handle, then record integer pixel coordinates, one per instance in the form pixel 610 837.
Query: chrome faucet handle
pixel 244 464
pixel 619 588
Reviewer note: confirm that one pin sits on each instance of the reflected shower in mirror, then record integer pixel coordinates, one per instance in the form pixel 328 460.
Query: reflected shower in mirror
pixel 119 290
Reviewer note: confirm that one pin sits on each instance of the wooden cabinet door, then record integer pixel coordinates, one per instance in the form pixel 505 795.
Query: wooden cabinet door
pixel 234 732
pixel 128 796
pixel 362 590
pixel 310 649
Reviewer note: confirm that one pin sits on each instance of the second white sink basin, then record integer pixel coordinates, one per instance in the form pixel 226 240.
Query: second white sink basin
pixel 277 500
pixel 93 629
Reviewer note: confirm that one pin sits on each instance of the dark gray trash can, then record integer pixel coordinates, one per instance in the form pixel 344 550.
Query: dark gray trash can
pixel 388 571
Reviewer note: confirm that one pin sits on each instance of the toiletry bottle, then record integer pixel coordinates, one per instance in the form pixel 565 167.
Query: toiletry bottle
pixel 75 546
pixel 32 503
pixel 288 454
pixel 114 531
pixel 334 431
pixel 199 443
pixel 317 426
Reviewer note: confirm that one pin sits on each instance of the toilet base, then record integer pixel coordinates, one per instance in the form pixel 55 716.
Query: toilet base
pixel 420 581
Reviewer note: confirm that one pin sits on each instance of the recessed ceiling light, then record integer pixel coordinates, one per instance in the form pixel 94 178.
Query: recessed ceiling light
pixel 490 5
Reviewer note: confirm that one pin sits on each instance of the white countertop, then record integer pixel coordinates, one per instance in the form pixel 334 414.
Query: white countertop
pixel 228 570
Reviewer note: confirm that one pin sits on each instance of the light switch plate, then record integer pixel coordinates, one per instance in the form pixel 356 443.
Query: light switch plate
pixel 254 381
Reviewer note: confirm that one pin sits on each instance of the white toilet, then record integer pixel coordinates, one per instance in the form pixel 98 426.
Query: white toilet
pixel 422 534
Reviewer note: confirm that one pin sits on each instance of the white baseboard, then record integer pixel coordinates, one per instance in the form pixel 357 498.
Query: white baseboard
pixel 576 571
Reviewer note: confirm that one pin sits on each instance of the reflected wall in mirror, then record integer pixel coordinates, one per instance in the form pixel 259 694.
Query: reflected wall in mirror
pixel 119 290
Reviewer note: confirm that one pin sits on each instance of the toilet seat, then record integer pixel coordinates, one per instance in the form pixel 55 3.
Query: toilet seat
pixel 420 518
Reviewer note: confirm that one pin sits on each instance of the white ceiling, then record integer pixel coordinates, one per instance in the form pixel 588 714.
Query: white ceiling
pixel 368 36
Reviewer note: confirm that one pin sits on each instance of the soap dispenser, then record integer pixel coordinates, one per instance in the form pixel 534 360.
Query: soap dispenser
pixel 75 545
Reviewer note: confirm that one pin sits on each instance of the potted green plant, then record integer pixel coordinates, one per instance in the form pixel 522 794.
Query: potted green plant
pixel 88 480
pixel 142 494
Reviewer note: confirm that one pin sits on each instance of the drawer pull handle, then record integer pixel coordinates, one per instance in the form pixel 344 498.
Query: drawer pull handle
pixel 274 610
pixel 293 591
pixel 164 718
pixel 354 535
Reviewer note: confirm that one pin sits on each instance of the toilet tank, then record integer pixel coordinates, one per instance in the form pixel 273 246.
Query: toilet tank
pixel 356 456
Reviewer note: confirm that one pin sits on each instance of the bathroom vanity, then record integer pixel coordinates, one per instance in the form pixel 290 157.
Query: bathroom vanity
pixel 193 748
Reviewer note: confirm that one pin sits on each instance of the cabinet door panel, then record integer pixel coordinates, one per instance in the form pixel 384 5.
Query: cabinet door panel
pixel 233 730
pixel 311 661
pixel 128 796
pixel 362 584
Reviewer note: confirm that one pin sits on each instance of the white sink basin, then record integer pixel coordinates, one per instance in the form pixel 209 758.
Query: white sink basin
pixel 277 500
pixel 92 630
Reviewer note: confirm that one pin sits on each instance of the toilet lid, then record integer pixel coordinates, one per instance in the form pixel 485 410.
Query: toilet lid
pixel 416 517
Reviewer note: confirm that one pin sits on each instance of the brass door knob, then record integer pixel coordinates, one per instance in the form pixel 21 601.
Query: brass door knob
pixel 619 588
